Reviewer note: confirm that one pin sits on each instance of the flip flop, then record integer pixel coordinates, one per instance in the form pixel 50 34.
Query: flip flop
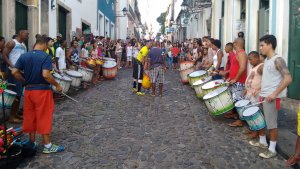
pixel 292 161
pixel 234 124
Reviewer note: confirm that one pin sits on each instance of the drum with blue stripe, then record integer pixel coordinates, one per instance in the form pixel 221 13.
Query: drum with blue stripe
pixel 254 118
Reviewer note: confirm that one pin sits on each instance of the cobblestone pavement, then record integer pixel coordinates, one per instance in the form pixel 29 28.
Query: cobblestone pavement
pixel 113 128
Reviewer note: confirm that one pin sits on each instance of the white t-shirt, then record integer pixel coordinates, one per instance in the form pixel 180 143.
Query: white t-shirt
pixel 135 52
pixel 61 55
pixel 129 51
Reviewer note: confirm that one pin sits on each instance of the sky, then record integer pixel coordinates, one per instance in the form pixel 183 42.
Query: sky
pixel 150 10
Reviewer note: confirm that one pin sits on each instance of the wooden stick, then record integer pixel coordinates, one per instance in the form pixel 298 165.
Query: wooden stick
pixel 69 97
pixel 254 104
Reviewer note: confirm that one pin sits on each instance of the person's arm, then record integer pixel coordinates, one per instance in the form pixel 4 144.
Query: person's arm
pixel 287 78
pixel 47 67
pixel 8 48
pixel 219 56
pixel 260 69
pixel 242 59
pixel 68 56
pixel 16 71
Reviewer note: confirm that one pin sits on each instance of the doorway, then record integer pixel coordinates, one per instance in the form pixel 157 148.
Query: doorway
pixel 294 52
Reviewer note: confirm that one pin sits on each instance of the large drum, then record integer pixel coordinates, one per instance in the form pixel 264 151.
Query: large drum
pixel 87 74
pixel 239 106
pixel 254 118
pixel 186 65
pixel 184 74
pixel 63 81
pixel 110 69
pixel 9 97
pixel 195 76
pixel 213 85
pixel 198 86
pixel 218 101
pixel 76 78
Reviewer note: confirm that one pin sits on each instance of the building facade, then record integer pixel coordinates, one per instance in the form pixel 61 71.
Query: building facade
pixel 106 18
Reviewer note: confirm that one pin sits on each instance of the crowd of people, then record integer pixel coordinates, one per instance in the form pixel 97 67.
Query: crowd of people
pixel 265 81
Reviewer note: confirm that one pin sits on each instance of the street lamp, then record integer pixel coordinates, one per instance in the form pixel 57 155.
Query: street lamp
pixel 124 10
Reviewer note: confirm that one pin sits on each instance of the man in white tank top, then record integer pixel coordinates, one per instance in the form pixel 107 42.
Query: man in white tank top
pixel 12 52
pixel 275 79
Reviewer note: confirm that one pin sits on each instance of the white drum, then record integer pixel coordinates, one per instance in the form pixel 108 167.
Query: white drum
pixel 198 86
pixel 218 101
pixel 76 78
pixel 254 118
pixel 63 81
pixel 9 97
pixel 87 74
pixel 110 69
pixel 197 75
pixel 239 106
pixel 184 74
pixel 212 85
pixel 186 65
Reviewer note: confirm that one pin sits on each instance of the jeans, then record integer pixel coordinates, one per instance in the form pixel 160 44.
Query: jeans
pixel 169 61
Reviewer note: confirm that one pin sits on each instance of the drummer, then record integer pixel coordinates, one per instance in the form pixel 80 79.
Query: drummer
pixel 138 68
pixel 276 78
pixel 237 78
pixel 38 98
pixel 253 82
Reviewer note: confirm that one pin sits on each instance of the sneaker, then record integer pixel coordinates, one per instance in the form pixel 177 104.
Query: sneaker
pixel 53 149
pixel 256 143
pixel 267 154
pixel 140 94
pixel 134 89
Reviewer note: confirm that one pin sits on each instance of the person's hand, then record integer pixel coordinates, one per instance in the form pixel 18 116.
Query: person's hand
pixel 222 73
pixel 58 88
pixel 270 97
pixel 214 73
pixel 232 81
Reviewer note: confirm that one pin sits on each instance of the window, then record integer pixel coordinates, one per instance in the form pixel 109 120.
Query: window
pixel 107 1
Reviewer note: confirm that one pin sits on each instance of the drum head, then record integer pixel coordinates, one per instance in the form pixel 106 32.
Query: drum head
pixel 74 73
pixel 10 92
pixel 66 78
pixel 212 84
pixel 197 73
pixel 242 103
pixel 109 59
pixel 215 93
pixel 204 80
pixel 250 111
pixel 109 64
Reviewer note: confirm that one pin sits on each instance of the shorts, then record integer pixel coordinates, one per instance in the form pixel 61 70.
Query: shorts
pixel 38 111
pixel 18 88
pixel 129 58
pixel 138 70
pixel 271 114
pixel 175 59
pixel 157 74
pixel 237 91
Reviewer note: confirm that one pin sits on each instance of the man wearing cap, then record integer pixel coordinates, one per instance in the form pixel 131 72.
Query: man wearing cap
pixel 138 68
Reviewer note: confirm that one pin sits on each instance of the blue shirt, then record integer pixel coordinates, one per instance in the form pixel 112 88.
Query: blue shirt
pixel 33 63
pixel 156 57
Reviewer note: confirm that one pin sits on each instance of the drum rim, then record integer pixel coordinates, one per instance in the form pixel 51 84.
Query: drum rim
pixel 204 88
pixel 73 75
pixel 214 92
pixel 84 68
pixel 241 101
pixel 7 91
pixel 62 77
pixel 254 107
pixel 209 77
pixel 105 66
pixel 190 75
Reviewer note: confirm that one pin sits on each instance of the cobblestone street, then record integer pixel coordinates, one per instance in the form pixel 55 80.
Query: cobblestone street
pixel 112 127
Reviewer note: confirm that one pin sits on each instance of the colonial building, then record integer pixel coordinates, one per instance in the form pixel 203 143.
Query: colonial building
pixel 106 18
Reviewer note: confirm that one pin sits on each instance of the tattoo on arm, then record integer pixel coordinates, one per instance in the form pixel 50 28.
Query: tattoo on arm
pixel 281 66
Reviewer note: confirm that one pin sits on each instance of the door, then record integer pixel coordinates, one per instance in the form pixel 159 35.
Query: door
pixel 294 49
pixel 21 16
pixel 263 24
pixel 62 22
pixel 1 18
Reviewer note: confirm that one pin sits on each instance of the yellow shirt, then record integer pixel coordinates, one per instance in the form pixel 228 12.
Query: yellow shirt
pixel 142 54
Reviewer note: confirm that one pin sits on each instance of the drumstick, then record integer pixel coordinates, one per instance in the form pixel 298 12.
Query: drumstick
pixel 254 104
pixel 69 97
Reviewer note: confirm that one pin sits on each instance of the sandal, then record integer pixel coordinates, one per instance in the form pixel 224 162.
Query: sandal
pixel 15 120
pixel 231 116
pixel 292 161
pixel 236 124
pixel 153 95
